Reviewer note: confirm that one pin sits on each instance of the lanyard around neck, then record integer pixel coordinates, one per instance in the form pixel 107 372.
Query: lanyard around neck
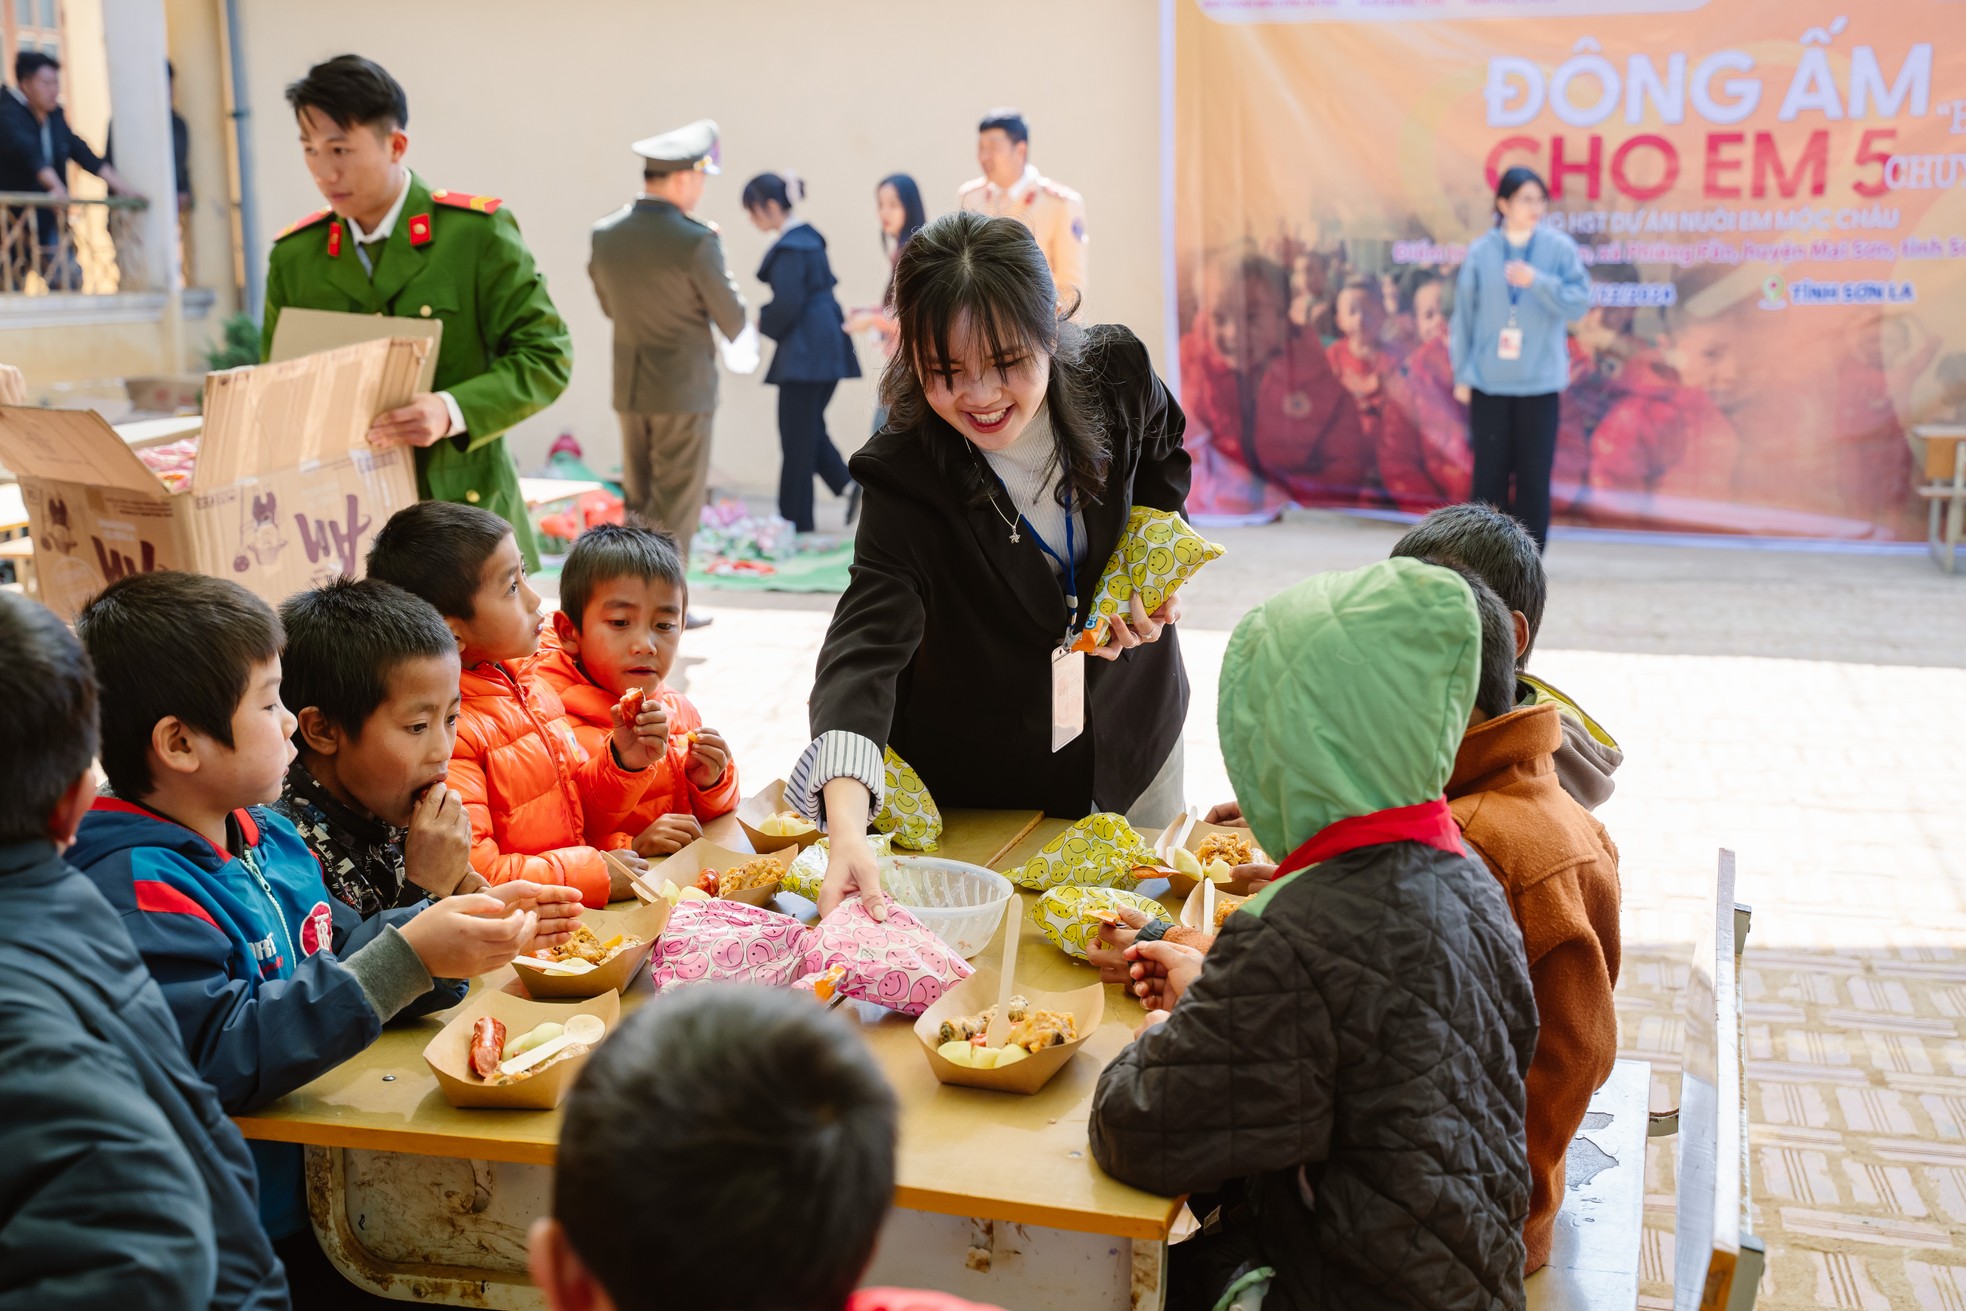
pixel 1515 292
pixel 1068 563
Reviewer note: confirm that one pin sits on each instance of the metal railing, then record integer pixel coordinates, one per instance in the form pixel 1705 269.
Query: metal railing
pixel 49 245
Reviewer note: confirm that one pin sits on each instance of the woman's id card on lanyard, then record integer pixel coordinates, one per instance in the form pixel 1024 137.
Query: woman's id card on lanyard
pixel 1067 697
pixel 1508 344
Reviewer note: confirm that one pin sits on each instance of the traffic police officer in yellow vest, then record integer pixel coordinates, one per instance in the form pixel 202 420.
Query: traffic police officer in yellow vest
pixel 660 275
pixel 1012 187
pixel 388 244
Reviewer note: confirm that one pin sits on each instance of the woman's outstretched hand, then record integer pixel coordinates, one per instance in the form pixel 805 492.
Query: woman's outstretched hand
pixel 1137 627
pixel 852 870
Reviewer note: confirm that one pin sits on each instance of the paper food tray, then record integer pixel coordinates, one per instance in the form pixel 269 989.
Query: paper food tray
pixel 761 808
pixel 683 867
pixel 1191 908
pixel 449 1053
pixel 1182 884
pixel 638 920
pixel 1087 1007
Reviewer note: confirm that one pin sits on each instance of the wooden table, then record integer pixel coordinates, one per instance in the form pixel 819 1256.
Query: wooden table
pixel 965 1153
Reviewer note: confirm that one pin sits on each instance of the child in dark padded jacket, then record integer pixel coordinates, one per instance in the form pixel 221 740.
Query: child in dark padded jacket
pixel 272 981
pixel 1338 1083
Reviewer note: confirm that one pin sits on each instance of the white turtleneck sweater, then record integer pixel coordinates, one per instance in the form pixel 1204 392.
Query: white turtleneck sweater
pixel 1030 472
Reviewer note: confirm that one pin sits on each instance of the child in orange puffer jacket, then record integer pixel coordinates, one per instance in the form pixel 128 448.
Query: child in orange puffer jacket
pixel 622 601
pixel 531 789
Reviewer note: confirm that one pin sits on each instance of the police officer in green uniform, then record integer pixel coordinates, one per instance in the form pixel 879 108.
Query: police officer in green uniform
pixel 388 244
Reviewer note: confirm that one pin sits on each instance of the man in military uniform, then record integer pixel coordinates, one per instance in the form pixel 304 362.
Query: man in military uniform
pixel 660 275
pixel 388 244
pixel 1012 187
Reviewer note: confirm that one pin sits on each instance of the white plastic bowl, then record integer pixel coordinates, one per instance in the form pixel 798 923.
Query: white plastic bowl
pixel 961 904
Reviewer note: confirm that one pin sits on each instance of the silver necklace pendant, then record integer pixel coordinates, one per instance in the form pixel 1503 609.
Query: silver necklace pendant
pixel 1016 538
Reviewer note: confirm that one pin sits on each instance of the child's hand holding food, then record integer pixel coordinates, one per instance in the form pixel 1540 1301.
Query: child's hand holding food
pixel 1107 946
pixel 463 937
pixel 437 851
pixel 709 756
pixel 668 835
pixel 641 730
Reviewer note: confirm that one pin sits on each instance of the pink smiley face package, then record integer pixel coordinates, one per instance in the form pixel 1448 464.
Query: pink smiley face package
pixel 898 964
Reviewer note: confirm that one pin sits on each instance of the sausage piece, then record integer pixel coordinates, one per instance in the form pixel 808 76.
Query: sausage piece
pixel 487 1046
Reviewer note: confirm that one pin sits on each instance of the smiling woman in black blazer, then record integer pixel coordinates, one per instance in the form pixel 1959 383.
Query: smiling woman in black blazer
pixel 1016 445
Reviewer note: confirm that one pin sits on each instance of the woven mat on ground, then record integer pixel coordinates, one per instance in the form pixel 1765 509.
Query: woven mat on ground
pixel 1856 1074
pixel 815 571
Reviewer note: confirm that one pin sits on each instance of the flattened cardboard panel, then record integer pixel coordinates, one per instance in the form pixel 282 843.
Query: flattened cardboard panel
pixel 305 332
pixel 300 413
pixel 281 532
pixel 71 446
pixel 85 538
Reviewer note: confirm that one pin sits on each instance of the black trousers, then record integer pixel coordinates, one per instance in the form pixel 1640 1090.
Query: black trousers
pixel 1514 439
pixel 807 449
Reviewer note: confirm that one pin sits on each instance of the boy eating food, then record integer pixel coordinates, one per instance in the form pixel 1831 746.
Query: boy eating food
pixel 371 675
pixel 271 980
pixel 622 601
pixel 1340 1079
pixel 531 790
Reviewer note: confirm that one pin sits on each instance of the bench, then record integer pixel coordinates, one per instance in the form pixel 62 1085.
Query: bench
pixel 1594 1257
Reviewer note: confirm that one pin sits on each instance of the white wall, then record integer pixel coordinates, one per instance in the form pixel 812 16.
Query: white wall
pixel 537 104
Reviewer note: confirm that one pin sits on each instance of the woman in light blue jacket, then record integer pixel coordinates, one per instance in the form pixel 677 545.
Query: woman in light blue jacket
pixel 1520 285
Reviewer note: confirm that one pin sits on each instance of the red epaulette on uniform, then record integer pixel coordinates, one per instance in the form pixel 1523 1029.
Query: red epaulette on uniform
pixel 465 200
pixel 307 222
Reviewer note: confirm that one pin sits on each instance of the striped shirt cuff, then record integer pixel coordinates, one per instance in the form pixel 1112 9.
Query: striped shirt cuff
pixel 836 754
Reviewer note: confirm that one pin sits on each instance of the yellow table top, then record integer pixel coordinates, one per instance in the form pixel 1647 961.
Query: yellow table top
pixel 963 1151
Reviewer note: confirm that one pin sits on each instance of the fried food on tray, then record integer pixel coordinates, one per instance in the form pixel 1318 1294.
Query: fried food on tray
pixel 962 1028
pixel 759 873
pixel 961 1038
pixel 587 945
pixel 1223 907
pixel 1231 847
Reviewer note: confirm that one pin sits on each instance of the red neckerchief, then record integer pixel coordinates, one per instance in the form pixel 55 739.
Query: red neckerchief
pixel 1430 822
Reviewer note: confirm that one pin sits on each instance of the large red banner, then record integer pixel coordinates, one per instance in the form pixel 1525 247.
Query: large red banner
pixel 1770 197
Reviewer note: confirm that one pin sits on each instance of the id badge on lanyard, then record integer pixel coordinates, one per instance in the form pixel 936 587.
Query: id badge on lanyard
pixel 1508 343
pixel 1067 665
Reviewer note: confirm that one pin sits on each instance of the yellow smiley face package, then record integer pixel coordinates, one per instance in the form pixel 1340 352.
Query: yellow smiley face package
pixel 1069 916
pixel 1157 553
pixel 808 869
pixel 1099 851
pixel 909 814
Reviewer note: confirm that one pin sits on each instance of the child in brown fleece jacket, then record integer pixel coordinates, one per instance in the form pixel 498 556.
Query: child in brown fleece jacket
pixel 1560 871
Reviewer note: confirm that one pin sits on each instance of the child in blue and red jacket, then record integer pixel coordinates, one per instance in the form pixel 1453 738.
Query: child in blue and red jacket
pixel 271 980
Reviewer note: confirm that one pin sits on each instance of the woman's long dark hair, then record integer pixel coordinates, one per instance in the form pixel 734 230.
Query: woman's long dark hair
pixel 913 216
pixel 989 274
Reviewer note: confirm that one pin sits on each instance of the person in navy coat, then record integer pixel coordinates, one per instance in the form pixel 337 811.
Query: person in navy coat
pixel 814 351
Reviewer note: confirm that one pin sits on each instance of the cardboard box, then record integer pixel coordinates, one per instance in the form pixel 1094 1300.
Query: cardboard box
pixel 286 493
pixel 449 1053
pixel 1087 1007
pixel 636 921
pixel 683 867
pixel 761 808
pixel 301 331
pixel 1192 911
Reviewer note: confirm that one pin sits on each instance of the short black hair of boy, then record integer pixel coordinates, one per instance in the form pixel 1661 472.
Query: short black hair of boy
pixel 47 716
pixel 350 90
pixel 607 551
pixel 762 1110
pixel 1495 691
pixel 437 550
pixel 29 62
pixel 344 641
pixel 1008 121
pixel 165 644
pixel 1493 544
